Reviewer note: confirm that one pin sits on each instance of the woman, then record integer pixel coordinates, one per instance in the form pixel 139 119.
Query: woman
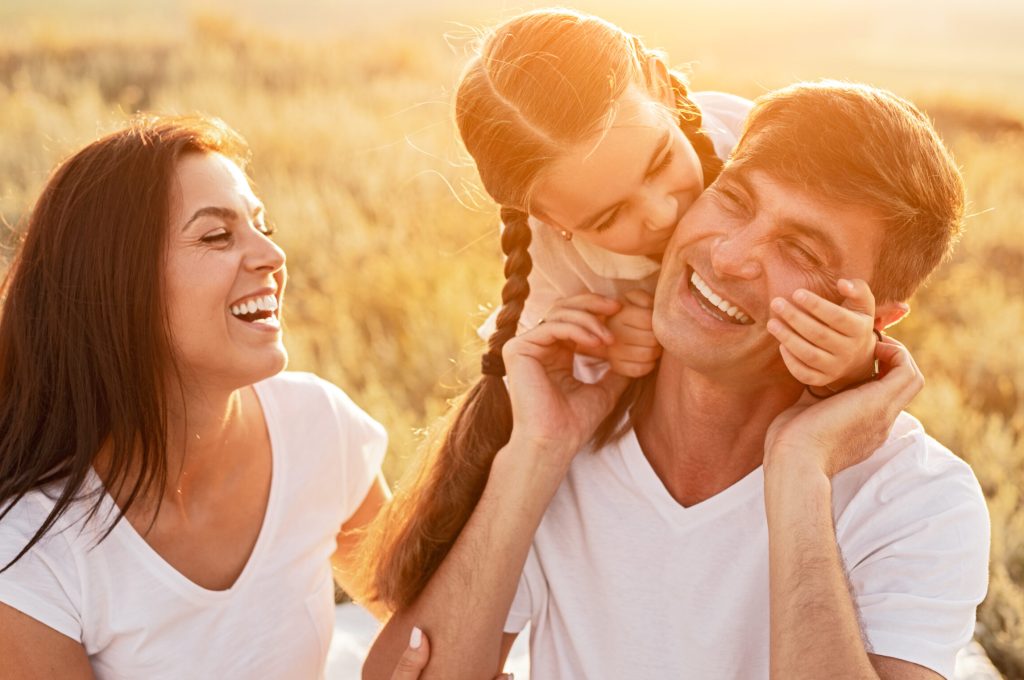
pixel 171 503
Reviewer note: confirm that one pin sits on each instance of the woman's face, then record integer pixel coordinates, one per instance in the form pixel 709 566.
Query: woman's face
pixel 225 278
pixel 625 189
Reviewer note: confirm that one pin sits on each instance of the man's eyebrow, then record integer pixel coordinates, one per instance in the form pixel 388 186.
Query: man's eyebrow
pixel 807 229
pixel 226 214
pixel 663 143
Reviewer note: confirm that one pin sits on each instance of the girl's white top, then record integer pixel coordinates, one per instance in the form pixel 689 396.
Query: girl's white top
pixel 565 268
pixel 138 617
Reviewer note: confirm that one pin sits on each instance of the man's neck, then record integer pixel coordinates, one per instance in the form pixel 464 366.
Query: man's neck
pixel 703 434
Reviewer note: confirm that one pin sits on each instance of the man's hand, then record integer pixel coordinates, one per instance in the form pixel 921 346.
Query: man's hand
pixel 551 409
pixel 825 344
pixel 845 429
pixel 635 351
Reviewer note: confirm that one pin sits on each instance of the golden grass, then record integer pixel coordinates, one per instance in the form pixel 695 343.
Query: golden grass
pixel 392 250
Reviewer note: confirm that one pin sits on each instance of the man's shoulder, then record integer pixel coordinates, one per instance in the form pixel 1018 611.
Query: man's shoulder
pixel 911 469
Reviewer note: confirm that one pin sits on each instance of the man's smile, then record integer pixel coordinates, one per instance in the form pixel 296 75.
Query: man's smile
pixel 714 304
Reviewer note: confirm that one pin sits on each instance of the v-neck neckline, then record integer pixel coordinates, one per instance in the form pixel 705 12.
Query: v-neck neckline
pixel 163 569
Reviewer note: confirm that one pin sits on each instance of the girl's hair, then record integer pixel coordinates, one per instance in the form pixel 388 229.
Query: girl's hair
pixel 85 347
pixel 542 82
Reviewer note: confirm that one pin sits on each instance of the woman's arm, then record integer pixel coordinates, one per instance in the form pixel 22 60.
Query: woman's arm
pixel 343 560
pixel 33 651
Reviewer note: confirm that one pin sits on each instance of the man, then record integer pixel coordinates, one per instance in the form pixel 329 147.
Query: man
pixel 736 529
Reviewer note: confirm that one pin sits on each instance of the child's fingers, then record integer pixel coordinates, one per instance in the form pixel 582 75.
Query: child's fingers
pixel 807 353
pixel 807 326
pixel 626 335
pixel 858 296
pixel 840 319
pixel 633 369
pixel 801 371
pixel 639 298
pixel 634 353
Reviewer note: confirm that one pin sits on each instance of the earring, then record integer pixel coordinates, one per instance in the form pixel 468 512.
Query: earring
pixel 566 234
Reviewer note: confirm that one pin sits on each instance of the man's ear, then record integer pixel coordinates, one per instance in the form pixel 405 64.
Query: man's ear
pixel 661 82
pixel 890 313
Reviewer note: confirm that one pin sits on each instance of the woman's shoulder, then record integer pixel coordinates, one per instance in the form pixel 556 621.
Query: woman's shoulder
pixel 305 400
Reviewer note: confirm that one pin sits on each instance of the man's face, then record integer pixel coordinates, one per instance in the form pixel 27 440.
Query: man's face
pixel 749 239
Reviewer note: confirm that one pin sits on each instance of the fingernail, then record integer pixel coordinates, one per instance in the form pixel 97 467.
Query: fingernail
pixel 846 283
pixel 416 639
pixel 778 304
pixel 772 325
pixel 800 295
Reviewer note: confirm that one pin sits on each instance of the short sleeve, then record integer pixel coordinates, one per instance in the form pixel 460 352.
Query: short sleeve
pixel 364 443
pixel 530 595
pixel 919 567
pixel 44 583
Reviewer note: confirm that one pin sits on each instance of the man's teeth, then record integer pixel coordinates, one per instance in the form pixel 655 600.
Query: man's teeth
pixel 724 305
pixel 264 303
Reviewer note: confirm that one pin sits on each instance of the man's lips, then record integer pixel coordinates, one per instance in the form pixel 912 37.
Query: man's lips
pixel 715 304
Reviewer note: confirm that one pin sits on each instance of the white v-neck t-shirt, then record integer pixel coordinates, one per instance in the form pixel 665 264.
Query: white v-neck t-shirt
pixel 138 617
pixel 623 582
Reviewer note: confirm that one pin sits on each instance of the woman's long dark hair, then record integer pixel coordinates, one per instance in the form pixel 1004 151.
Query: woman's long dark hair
pixel 85 351
pixel 543 82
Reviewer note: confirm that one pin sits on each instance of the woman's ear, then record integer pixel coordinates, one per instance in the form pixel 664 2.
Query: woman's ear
pixel 660 82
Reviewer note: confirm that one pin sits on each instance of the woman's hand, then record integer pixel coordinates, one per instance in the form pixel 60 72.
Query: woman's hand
pixel 845 429
pixel 551 409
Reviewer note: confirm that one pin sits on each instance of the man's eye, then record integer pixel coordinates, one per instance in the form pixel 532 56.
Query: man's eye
pixel 804 253
pixel 217 236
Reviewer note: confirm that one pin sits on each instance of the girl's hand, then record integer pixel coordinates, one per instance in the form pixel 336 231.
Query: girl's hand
pixel 550 407
pixel 845 429
pixel 635 351
pixel 825 344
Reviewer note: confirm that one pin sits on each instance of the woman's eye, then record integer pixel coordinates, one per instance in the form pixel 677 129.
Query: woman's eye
pixel 267 230
pixel 218 236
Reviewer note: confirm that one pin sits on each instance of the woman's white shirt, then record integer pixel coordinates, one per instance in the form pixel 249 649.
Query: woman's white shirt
pixel 137 617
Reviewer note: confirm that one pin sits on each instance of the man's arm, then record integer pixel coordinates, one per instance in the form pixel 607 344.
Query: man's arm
pixel 465 604
pixel 815 632
pixel 464 607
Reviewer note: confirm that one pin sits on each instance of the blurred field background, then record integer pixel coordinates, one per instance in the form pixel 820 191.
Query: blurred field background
pixel 392 247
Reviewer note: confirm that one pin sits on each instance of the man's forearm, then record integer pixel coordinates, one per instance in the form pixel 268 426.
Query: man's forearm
pixel 463 608
pixel 815 632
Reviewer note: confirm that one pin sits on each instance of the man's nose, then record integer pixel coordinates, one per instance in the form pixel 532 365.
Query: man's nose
pixel 661 211
pixel 733 255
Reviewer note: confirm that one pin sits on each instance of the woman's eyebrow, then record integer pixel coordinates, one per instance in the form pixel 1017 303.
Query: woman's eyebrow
pixel 226 214
pixel 663 142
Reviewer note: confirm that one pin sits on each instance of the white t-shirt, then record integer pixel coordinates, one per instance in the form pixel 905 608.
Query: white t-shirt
pixel 623 582
pixel 138 617
pixel 565 268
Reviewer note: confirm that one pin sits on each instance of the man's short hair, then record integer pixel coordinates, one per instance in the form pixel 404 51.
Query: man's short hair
pixel 859 145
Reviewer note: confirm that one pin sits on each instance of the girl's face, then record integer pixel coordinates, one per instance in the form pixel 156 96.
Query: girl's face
pixel 625 189
pixel 225 278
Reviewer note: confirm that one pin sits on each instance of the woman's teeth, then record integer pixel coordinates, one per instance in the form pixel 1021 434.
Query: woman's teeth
pixel 718 301
pixel 265 303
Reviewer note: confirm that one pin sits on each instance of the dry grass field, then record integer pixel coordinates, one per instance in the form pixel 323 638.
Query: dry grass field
pixel 391 246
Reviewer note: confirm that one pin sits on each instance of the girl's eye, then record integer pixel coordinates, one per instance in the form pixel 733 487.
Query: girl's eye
pixel 607 223
pixel 216 236
pixel 665 162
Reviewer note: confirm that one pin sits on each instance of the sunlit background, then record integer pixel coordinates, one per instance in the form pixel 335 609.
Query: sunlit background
pixel 392 246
